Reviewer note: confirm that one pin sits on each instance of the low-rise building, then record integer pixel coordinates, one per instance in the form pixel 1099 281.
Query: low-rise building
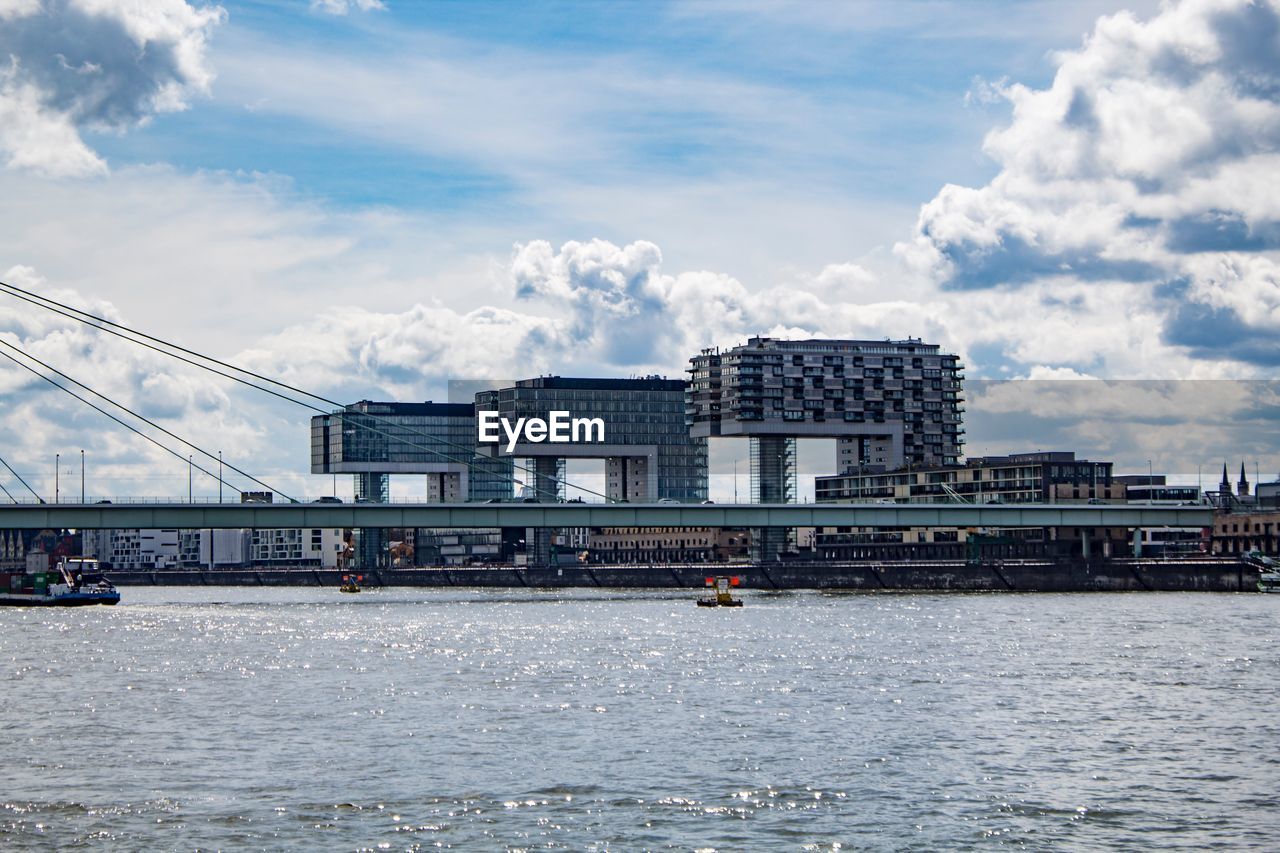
pixel 441 546
pixel 644 545
pixel 1052 477
pixel 1040 477
pixel 1242 532
pixel 212 548
pixel 292 546
pixel 134 549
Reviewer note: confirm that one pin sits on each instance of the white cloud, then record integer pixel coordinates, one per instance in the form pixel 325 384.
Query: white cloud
pixel 94 64
pixel 181 399
pixel 40 139
pixel 342 7
pixel 10 9
pixel 1152 158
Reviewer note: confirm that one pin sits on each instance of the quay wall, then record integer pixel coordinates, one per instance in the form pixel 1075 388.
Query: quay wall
pixel 1199 575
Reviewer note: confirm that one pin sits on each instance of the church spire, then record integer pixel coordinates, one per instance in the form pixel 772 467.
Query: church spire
pixel 1242 488
pixel 1224 487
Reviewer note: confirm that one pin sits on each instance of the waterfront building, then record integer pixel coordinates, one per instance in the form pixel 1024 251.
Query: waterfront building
pixel 1242 531
pixel 646 448
pixel 1138 489
pixel 887 403
pixel 1040 477
pixel 438 546
pixel 679 545
pixel 211 548
pixel 373 440
pixel 1163 541
pixel 17 545
pixel 648 452
pixel 133 548
pixel 288 547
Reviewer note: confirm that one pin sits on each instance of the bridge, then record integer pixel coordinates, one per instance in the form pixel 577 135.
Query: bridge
pixel 192 516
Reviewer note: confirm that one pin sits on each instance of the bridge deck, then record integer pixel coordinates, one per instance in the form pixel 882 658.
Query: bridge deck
pixel 237 515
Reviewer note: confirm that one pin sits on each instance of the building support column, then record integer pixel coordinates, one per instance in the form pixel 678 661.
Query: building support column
pixel 773 481
pixel 548 487
pixel 371 542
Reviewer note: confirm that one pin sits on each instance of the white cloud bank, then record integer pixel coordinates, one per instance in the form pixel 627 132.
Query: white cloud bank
pixel 70 65
pixel 1152 159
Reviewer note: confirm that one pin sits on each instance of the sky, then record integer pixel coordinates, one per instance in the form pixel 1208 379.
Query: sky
pixel 370 198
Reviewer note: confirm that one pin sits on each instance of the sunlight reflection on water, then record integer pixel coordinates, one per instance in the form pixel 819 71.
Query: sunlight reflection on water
pixel 290 718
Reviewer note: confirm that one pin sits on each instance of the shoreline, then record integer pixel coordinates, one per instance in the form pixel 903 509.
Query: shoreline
pixel 1184 575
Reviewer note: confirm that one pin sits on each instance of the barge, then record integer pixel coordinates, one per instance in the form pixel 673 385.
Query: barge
pixel 72 582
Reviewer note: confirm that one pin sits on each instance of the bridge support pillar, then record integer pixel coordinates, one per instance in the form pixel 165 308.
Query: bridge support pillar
pixel 371 542
pixel 548 487
pixel 773 481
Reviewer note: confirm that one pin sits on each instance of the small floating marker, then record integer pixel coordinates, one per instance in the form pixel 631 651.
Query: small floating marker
pixel 721 584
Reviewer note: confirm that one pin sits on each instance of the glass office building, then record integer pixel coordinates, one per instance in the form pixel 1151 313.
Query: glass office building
pixel 372 441
pixel 647 449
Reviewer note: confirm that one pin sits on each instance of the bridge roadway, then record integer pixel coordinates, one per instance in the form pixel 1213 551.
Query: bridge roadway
pixel 319 514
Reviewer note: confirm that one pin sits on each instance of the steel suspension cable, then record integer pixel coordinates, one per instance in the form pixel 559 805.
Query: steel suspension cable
pixel 6 491
pixel 232 377
pixel 143 418
pixel 127 426
pixel 110 326
pixel 20 480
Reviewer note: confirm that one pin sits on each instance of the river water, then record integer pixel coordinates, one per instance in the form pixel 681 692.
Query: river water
pixel 398 718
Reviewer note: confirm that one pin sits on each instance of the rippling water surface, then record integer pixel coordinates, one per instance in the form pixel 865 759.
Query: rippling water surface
pixel 411 718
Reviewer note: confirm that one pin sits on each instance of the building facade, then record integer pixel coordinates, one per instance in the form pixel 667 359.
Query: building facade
pixel 317 547
pixel 134 549
pixel 1041 477
pixel 1240 532
pixel 1052 477
pixel 211 548
pixel 374 440
pixel 888 403
pixel 646 447
pixel 678 545
pixel 647 450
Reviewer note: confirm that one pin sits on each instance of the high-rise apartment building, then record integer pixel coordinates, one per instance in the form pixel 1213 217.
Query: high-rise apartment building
pixel 888 403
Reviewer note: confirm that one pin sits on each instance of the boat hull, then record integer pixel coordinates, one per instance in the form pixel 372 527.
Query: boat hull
pixel 71 599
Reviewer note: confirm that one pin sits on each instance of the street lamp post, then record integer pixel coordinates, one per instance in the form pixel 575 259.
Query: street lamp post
pixel 190 470
pixel 81 476
pixel 219 477
pixel 56 486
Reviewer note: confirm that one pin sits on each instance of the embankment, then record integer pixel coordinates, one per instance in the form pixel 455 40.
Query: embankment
pixel 1200 575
